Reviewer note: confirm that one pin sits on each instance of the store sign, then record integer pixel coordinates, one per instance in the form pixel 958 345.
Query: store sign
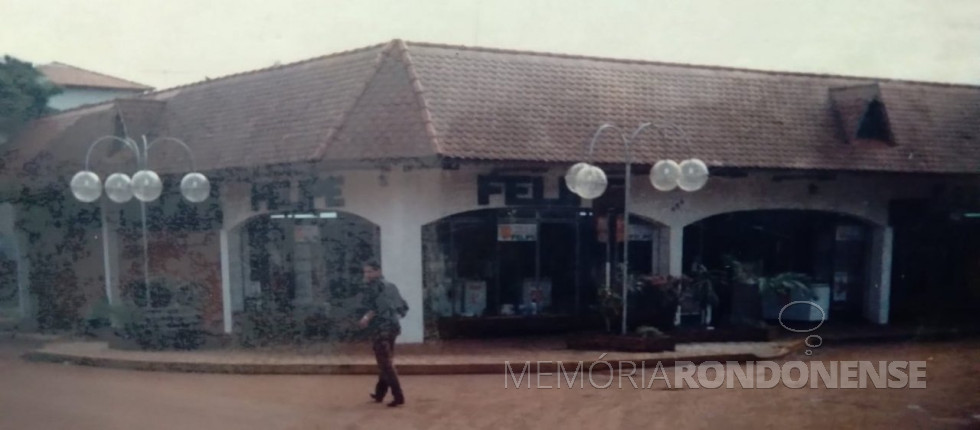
pixel 278 194
pixel 522 191
pixel 517 232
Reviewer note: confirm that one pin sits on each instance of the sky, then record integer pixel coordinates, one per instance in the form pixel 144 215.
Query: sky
pixel 164 43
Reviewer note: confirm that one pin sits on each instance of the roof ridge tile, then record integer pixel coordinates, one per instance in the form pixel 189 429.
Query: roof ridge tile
pixel 419 90
pixel 268 69
pixel 332 133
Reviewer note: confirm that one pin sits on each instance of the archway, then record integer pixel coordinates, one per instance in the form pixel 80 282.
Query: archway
pixel 304 266
pixel 936 265
pixel 541 266
pixel 833 251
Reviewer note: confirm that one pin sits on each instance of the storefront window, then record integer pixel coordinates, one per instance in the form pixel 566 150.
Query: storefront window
pixel 524 262
pixel 307 259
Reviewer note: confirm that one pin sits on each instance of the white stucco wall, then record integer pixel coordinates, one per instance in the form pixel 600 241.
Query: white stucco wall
pixel 865 197
pixel 400 206
pixel 406 201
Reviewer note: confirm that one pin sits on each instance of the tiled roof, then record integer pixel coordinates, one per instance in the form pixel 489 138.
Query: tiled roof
pixel 65 75
pixel 412 100
pixel 280 115
pixel 490 104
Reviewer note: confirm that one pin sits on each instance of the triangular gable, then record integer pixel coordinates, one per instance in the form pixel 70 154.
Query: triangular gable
pixel 861 113
pixel 874 124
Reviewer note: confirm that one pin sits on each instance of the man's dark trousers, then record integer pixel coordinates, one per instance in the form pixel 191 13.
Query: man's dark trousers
pixel 384 353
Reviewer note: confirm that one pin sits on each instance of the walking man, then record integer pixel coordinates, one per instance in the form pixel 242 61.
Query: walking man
pixel 385 307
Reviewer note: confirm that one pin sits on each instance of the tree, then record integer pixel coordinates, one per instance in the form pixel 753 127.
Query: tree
pixel 24 94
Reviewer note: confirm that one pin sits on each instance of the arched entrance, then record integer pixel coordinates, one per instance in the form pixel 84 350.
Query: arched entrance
pixel 832 250
pixel 305 267
pixel 936 265
pixel 521 271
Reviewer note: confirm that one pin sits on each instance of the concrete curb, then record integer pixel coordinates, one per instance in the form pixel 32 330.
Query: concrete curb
pixel 475 368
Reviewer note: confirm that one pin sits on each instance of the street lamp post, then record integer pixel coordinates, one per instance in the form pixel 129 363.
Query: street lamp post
pixel 145 185
pixel 589 182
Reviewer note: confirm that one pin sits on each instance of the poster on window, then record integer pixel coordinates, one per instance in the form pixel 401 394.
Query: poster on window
pixel 517 232
pixel 537 292
pixel 475 294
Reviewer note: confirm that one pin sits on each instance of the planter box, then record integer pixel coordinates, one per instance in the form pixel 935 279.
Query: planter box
pixel 617 342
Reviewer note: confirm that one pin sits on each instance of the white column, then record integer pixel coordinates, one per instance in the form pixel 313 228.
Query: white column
pixel 878 293
pixel 235 277
pixel 401 263
pixel 225 281
pixel 676 250
pixel 110 255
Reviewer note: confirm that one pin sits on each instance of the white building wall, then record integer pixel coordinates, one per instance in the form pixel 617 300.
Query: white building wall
pixel 403 202
pixel 400 205
pixel 865 197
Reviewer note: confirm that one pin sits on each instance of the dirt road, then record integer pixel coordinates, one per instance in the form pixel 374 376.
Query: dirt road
pixel 51 396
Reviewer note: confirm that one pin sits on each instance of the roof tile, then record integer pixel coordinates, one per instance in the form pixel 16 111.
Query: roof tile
pixel 504 105
pixel 411 100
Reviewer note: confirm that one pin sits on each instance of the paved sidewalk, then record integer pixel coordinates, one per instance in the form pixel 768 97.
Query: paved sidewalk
pixel 448 357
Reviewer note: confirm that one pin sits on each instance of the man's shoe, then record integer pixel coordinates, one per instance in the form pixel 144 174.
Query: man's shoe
pixel 396 402
pixel 377 398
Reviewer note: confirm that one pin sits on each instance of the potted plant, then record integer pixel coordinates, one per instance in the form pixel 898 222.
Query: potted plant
pixel 782 289
pixel 756 297
pixel 746 308
pixel 699 290
pixel 644 339
pixel 655 302
pixel 610 307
